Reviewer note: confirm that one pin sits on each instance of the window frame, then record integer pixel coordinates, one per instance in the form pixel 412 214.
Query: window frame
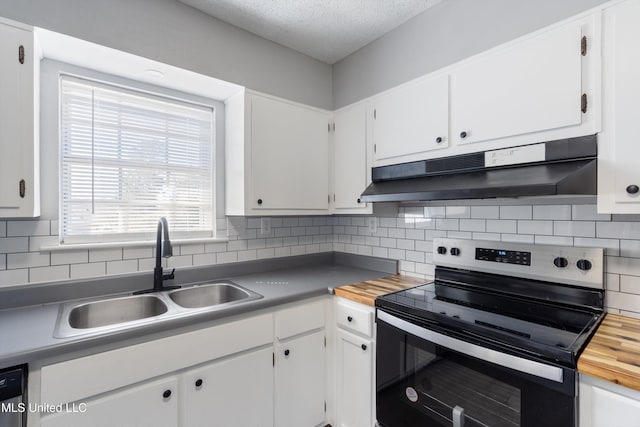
pixel 159 93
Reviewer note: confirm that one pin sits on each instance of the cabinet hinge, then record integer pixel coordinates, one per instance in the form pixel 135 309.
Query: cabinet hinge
pixel 583 103
pixel 583 46
pixel 21 54
pixel 22 187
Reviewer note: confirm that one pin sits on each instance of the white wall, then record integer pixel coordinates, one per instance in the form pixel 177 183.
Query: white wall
pixel 171 32
pixel 447 33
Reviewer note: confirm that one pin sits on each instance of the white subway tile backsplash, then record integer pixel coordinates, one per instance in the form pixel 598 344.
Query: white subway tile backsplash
pixel 459 234
pixel 49 274
pixel 266 253
pixel 365 250
pixel 415 256
pixel 111 254
pixel 257 244
pixel 405 244
pixel 36 242
pixel 388 243
pixel 84 271
pixel 14 277
pixel 227 257
pixel 305 221
pixel 414 234
pixel 301 250
pixel 356 240
pixel 380 252
pixel 3 261
pixel 282 252
pixel 535 227
pixel 612 282
pixel 618 230
pixel 3 228
pixel 192 249
pixel 425 223
pixel 458 212
pixel 29 228
pixel 447 224
pixel 478 225
pixel 397 233
pixel 397 254
pixel 248 255
pixel 588 213
pixel 516 212
pixel 406 222
pixel 486 236
pixel 122 267
pixel 237 245
pixel 70 257
pixel 554 240
pixel 630 284
pixel 517 238
pixel 204 259
pixel 485 212
pixel 574 228
pixel 611 246
pixel 434 212
pixel 630 248
pixel 424 245
pixel 135 253
pixel 372 241
pixel 26 260
pixel 502 226
pixel 14 244
pixel 180 261
pixel 553 212
pixel 620 265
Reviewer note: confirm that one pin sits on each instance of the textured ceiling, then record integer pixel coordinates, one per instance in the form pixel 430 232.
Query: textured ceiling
pixel 327 30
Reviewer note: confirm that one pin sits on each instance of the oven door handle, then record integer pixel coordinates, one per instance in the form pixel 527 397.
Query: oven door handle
pixel 509 361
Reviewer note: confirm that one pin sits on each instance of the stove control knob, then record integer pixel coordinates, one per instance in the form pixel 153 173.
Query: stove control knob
pixel 455 251
pixel 442 250
pixel 560 262
pixel 584 264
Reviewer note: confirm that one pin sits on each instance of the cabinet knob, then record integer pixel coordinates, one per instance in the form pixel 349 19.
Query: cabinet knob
pixel 633 189
pixel 349 318
pixel 286 352
pixel 166 394
pixel 259 201
pixel 364 346
pixel 463 135
pixel 199 382
pixel 438 140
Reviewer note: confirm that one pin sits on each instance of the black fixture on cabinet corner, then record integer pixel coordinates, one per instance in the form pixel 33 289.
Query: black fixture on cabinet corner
pixel 163 249
pixel 561 167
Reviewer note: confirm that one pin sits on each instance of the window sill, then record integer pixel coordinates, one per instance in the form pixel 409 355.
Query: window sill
pixel 142 243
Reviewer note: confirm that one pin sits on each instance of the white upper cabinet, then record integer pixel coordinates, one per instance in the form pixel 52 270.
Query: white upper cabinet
pixel 538 88
pixel 409 122
pixel 277 157
pixel 618 149
pixel 19 123
pixel 351 158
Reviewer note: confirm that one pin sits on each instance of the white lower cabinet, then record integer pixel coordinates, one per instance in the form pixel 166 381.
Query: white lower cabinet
pixel 236 392
pixel 262 370
pixel 354 382
pixel 354 364
pixel 154 404
pixel 604 404
pixel 300 391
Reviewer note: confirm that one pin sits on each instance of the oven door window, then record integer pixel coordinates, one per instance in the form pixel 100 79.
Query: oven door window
pixel 420 383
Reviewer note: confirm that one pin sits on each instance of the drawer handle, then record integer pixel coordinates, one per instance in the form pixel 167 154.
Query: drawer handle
pixel 364 346
pixel 199 382
pixel 166 394
pixel 349 318
pixel 286 352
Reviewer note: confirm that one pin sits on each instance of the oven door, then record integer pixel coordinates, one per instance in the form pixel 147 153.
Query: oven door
pixel 428 378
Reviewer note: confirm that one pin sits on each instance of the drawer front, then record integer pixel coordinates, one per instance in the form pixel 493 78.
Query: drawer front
pixel 354 318
pixel 299 319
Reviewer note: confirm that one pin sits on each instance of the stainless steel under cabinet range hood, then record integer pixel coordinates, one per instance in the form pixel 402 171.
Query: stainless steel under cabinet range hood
pixel 562 167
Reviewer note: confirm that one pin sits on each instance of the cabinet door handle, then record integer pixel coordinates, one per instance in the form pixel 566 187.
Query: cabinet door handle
pixel 364 346
pixel 21 54
pixel 349 318
pixel 199 382
pixel 286 352
pixel 259 201
pixel 463 134
pixel 633 189
pixel 166 394
pixel 22 188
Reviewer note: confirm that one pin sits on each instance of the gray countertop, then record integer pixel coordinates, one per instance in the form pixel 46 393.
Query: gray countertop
pixel 27 332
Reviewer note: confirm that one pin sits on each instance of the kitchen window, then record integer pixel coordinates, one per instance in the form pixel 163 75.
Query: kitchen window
pixel 128 157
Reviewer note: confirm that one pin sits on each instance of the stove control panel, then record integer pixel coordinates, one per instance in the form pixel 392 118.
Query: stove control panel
pixel 503 255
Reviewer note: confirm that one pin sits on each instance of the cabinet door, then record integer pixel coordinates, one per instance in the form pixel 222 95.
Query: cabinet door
pixel 289 156
pixel 411 121
pixel 351 174
pixel 603 408
pixel 141 406
pixel 354 381
pixel 300 380
pixel 221 393
pixel 18 128
pixel 618 149
pixel 530 86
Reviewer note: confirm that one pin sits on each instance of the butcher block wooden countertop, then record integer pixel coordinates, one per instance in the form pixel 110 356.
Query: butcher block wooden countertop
pixel 613 354
pixel 366 292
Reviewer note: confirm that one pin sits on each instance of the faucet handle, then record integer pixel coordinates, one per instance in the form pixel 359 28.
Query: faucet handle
pixel 168 276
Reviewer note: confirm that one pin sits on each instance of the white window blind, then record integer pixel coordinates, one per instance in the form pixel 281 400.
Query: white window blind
pixel 128 158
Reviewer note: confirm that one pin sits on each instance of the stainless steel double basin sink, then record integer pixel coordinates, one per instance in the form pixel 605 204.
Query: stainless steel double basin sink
pixel 117 313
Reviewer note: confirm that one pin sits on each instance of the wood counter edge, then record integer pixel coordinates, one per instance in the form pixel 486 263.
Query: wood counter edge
pixel 366 292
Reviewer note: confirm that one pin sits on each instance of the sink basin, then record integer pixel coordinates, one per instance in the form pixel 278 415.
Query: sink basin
pixel 114 311
pixel 211 294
